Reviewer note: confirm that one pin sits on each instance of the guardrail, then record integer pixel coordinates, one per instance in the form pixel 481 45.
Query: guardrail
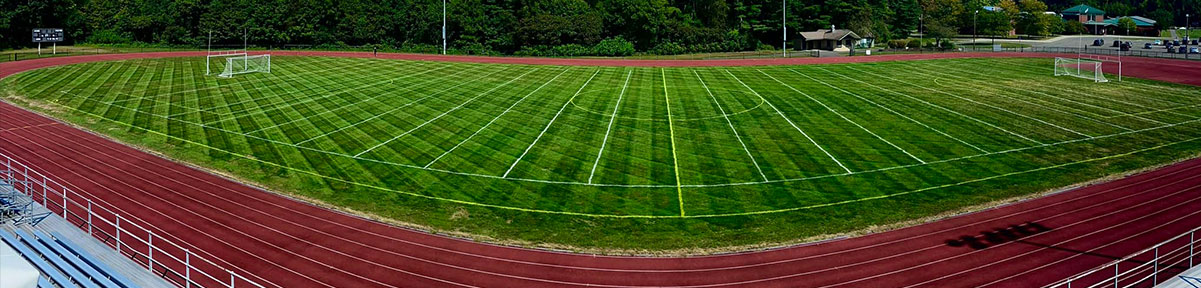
pixel 1145 268
pixel 175 263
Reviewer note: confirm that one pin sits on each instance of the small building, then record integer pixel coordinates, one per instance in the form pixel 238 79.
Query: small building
pixel 1091 17
pixel 841 40
pixel 1146 27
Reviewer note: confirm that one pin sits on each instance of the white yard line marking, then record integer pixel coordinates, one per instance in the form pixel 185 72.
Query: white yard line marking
pixel 1155 112
pixel 477 132
pixel 671 130
pixel 377 116
pixel 427 122
pixel 844 117
pixel 552 121
pixel 277 142
pixel 932 104
pixel 894 112
pixel 731 123
pixel 612 118
pixel 798 128
pixel 1002 109
pixel 288 76
pixel 969 82
pixel 405 89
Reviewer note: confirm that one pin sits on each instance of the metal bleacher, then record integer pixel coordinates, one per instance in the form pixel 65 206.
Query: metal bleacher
pixel 60 263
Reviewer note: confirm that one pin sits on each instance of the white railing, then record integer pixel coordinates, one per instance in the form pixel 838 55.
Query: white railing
pixel 175 263
pixel 1145 268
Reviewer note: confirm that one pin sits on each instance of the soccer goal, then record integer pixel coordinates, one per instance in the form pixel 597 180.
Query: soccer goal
pixel 246 64
pixel 1082 68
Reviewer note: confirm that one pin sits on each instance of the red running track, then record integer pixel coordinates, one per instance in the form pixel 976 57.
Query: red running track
pixel 285 243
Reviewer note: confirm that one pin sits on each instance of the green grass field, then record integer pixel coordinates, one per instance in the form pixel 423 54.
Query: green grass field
pixel 615 158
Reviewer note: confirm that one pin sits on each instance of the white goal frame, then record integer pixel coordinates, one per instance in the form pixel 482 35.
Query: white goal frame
pixel 208 59
pixel 1075 67
pixel 262 63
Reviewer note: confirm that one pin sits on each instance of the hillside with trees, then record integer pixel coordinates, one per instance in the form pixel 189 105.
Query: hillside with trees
pixel 536 27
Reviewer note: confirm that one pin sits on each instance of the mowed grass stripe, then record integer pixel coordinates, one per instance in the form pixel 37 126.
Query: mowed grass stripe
pixel 707 151
pixel 639 149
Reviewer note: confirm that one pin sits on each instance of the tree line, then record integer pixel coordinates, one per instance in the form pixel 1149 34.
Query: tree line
pixel 540 27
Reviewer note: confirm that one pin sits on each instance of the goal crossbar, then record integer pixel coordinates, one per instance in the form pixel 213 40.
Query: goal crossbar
pixel 1082 67
pixel 246 64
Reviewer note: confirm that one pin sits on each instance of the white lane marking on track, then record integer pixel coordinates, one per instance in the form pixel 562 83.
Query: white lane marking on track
pixel 731 123
pixel 840 114
pixel 612 118
pixel 894 112
pixel 477 132
pixel 798 128
pixel 427 122
pixel 552 121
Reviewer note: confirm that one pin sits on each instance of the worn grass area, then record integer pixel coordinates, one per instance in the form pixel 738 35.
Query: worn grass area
pixel 634 159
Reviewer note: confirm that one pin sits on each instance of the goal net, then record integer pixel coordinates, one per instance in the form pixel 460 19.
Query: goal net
pixel 1078 67
pixel 246 64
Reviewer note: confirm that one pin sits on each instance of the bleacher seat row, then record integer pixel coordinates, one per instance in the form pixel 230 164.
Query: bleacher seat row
pixel 17 208
pixel 62 263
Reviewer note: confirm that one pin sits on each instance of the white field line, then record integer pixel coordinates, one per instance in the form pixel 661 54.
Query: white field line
pixel 456 108
pixel 798 128
pixel 844 117
pixel 931 104
pixel 1117 112
pixel 612 118
pixel 377 116
pixel 552 121
pixel 288 76
pixel 277 142
pixel 1161 101
pixel 1183 91
pixel 275 106
pixel 671 130
pixel 974 85
pixel 1002 109
pixel 477 132
pixel 1156 111
pixel 894 112
pixel 728 122
pixel 405 89
pixel 364 75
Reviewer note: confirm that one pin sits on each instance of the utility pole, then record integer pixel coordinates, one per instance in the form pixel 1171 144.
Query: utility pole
pixel 785 22
pixel 974 29
pixel 443 27
pixel 921 25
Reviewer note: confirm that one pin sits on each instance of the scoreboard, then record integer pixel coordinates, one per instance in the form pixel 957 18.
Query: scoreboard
pixel 47 35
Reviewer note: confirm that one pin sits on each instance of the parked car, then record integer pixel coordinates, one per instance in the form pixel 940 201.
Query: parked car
pixel 1157 42
pixel 1099 42
pixel 1175 42
pixel 1126 46
pixel 1193 50
pixel 1194 42
pixel 1147 45
pixel 1181 50
pixel 1116 43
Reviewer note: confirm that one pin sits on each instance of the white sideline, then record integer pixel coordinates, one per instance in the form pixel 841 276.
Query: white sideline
pixel 731 123
pixel 798 129
pixel 552 121
pixel 1078 115
pixel 276 95
pixel 477 132
pixel 1161 101
pixel 427 122
pixel 1120 113
pixel 612 118
pixel 406 88
pixel 356 124
pixel 286 76
pixel 893 111
pixel 932 104
pixel 840 114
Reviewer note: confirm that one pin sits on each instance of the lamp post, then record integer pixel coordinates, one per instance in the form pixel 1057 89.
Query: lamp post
pixel 443 27
pixel 977 14
pixel 921 25
pixel 784 4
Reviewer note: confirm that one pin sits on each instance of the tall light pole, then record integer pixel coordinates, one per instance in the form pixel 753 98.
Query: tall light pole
pixel 921 33
pixel 785 22
pixel 443 27
pixel 974 29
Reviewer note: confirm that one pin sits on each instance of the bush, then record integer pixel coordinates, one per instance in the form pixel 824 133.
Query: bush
pixel 914 44
pixel 615 46
pixel 571 50
pixel 108 36
pixel 668 48
pixel 898 44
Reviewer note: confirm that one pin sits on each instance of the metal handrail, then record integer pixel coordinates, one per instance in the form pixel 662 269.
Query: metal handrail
pixel 138 241
pixel 1155 264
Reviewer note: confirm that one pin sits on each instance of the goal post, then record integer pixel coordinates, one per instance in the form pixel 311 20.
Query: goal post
pixel 246 64
pixel 1080 67
pixel 208 58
